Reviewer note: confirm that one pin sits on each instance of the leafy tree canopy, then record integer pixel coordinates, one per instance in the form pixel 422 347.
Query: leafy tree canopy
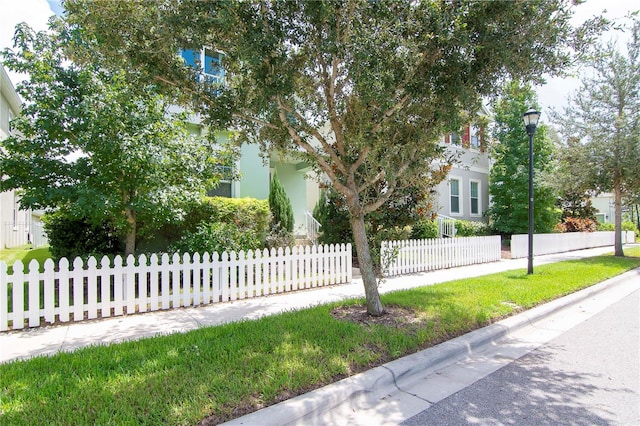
pixel 361 90
pixel 602 123
pixel 509 176
pixel 95 141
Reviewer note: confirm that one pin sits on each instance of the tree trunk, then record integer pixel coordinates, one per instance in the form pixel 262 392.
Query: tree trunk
pixel 374 305
pixel 130 244
pixel 617 201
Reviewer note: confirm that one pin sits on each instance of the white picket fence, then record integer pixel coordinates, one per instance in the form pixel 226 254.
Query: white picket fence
pixel 147 284
pixel 405 257
pixel 560 243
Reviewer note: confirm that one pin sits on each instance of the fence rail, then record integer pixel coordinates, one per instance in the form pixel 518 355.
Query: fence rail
pixel 78 291
pixel 405 257
pixel 559 243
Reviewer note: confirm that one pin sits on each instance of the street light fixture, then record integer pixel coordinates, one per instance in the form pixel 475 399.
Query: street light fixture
pixel 531 118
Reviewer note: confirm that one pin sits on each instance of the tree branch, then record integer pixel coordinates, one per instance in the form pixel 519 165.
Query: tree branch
pixel 325 145
pixel 307 147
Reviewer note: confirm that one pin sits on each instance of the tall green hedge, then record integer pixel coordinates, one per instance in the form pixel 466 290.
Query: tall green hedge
pixel 246 214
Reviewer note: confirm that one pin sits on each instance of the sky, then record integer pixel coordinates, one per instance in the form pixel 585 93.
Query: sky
pixel 552 95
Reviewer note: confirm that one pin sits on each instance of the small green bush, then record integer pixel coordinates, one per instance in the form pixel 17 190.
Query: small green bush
pixel 424 229
pixel 216 237
pixel 627 225
pixel 279 237
pixel 606 227
pixel 73 237
pixel 468 228
pixel 333 216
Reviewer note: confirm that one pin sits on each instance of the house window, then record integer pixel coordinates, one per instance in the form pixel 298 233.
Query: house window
pixel 222 190
pixel 454 195
pixel 474 197
pixel 474 137
pixel 455 139
pixel 208 62
pixel 225 184
pixel 10 127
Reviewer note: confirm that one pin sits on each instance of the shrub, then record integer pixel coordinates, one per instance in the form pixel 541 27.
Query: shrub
pixel 333 216
pixel 606 227
pixel 279 237
pixel 216 237
pixel 627 225
pixel 424 229
pixel 73 237
pixel 245 213
pixel 468 228
pixel 280 205
pixel 576 224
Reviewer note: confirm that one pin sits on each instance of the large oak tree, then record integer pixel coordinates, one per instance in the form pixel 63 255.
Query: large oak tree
pixel 362 90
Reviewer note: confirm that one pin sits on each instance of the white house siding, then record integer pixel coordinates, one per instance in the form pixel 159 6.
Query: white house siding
pixel 472 166
pixel 13 222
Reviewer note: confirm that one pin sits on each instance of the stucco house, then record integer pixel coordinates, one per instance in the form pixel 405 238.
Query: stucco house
pixel 17 227
pixel 464 194
pixel 254 170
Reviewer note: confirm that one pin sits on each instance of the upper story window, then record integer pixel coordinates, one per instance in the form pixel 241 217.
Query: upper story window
pixel 474 137
pixel 208 62
pixel 467 137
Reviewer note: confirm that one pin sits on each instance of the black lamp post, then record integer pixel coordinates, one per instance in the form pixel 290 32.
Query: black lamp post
pixel 531 118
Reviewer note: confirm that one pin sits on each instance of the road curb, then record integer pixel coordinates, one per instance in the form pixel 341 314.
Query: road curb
pixel 385 378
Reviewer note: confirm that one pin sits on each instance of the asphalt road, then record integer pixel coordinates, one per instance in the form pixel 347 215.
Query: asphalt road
pixel 589 375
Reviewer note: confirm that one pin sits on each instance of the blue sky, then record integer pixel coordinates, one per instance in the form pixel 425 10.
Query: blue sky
pixel 553 94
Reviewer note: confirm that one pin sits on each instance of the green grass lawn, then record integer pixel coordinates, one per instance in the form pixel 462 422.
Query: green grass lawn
pixel 226 371
pixel 25 254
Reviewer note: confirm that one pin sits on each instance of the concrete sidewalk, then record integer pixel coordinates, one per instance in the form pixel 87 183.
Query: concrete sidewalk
pixel 48 340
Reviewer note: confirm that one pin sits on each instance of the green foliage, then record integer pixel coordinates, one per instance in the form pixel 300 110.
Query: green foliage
pixel 71 237
pixel 509 176
pixel 279 237
pixel 244 213
pixel 606 227
pixel 280 206
pixel 96 140
pixel 216 237
pixel 627 225
pixel 222 370
pixel 424 229
pixel 333 215
pixel 362 91
pixel 469 228
pixel 602 119
pixel 577 224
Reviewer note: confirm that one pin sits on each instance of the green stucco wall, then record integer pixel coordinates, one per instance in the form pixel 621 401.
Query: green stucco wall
pixel 254 181
pixel 296 189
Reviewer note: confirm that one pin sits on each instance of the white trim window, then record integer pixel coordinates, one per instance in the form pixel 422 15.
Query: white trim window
pixel 475 205
pixel 455 197
pixel 474 137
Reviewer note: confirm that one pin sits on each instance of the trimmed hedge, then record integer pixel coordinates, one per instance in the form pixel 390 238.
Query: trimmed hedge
pixel 73 237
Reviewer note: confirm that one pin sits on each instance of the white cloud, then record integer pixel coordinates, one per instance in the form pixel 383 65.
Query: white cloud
pixel 35 13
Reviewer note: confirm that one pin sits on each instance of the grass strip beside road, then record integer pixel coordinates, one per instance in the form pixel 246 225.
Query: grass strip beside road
pixel 229 370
